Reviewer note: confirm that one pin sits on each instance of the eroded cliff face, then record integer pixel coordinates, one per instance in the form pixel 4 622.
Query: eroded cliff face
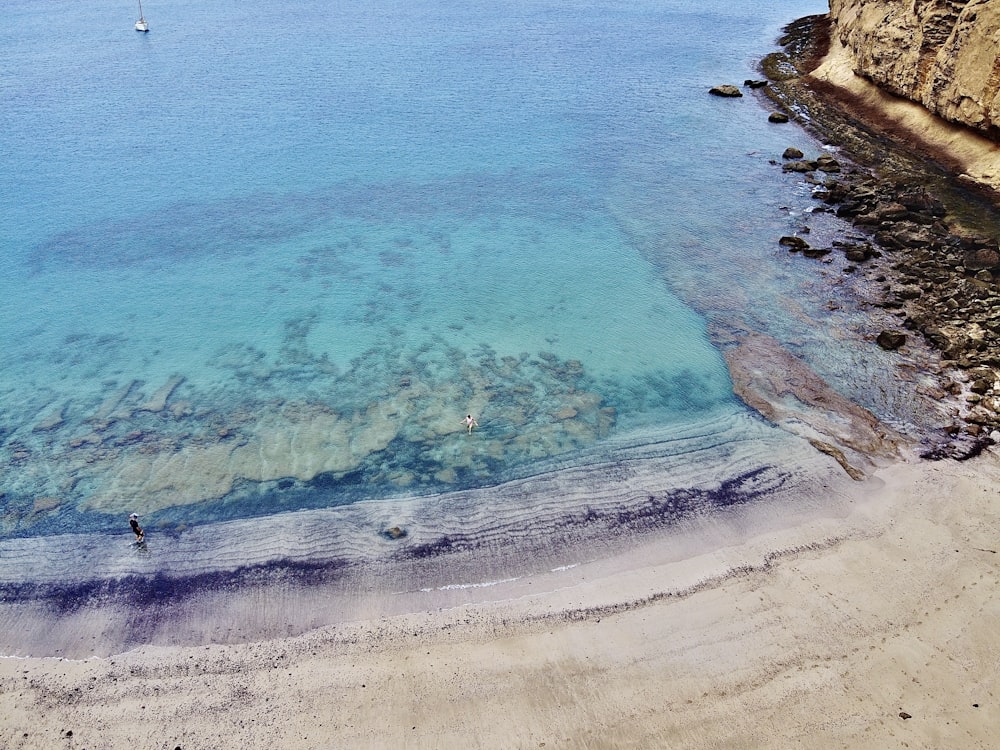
pixel 943 54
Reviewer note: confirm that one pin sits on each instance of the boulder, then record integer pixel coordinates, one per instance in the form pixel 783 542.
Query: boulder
pixel 792 153
pixel 826 163
pixel 891 211
pixel 794 244
pixel 799 165
pixel 982 259
pixel 859 253
pixel 908 292
pixel 923 202
pixel 726 89
pixel 816 252
pixel 891 340
pixel 981 386
pixel 902 235
pixel 778 117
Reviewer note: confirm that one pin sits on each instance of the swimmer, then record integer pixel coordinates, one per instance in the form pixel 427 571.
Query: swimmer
pixel 470 422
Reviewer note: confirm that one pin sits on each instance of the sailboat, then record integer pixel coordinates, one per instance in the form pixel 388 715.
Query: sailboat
pixel 141 24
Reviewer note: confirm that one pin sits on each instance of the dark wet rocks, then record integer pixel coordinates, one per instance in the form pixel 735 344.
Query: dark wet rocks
pixel 856 252
pixel 777 117
pixel 822 163
pixel 936 276
pixel 890 340
pixel 984 257
pixel 799 165
pixel 796 244
pixel 395 532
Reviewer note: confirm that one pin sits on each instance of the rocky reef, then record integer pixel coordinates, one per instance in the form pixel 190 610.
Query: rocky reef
pixel 942 54
pixel 181 445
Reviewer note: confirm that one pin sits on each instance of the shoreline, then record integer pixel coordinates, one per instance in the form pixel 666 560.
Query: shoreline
pixel 826 633
pixel 194 588
pixel 924 240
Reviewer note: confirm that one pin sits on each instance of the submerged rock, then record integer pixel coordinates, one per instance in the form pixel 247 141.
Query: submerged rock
pixel 159 400
pixel 52 421
pixel 786 391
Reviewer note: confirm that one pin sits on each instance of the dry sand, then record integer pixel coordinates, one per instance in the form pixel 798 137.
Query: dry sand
pixel 821 635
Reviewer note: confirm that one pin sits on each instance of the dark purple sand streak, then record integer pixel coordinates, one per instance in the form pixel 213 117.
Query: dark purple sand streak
pixel 655 513
pixel 161 592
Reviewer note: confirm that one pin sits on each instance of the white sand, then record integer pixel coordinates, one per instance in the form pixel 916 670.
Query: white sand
pixel 818 648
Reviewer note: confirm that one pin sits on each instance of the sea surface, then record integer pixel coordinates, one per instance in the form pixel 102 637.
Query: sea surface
pixel 267 257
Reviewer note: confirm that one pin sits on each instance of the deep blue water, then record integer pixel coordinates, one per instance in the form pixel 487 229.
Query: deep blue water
pixel 343 228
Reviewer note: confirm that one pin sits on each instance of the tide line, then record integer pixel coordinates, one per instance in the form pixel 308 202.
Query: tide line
pixel 480 585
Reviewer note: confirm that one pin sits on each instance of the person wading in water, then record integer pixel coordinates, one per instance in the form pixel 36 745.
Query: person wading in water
pixel 133 521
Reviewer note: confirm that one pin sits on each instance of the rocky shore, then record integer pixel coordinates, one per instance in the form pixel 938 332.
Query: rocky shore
pixel 925 239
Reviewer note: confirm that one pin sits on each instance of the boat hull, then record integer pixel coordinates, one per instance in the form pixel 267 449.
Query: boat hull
pixel 141 25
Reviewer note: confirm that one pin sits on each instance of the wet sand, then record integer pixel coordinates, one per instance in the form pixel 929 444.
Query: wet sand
pixel 675 492
pixel 828 633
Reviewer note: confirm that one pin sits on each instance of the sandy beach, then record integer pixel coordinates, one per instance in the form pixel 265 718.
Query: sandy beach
pixel 875 629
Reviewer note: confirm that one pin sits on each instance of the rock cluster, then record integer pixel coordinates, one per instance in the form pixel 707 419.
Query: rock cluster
pixel 940 280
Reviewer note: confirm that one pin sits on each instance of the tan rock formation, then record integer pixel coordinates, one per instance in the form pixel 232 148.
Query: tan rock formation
pixel 942 54
pixel 879 67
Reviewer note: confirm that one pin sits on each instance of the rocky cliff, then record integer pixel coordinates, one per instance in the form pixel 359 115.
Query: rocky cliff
pixel 943 54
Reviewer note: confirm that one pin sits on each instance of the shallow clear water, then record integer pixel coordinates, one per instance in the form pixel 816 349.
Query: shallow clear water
pixel 268 256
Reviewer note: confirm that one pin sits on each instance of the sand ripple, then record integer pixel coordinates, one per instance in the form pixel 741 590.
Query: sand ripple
pixel 435 549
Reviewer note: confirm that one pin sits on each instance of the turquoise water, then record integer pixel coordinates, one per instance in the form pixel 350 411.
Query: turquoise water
pixel 268 256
